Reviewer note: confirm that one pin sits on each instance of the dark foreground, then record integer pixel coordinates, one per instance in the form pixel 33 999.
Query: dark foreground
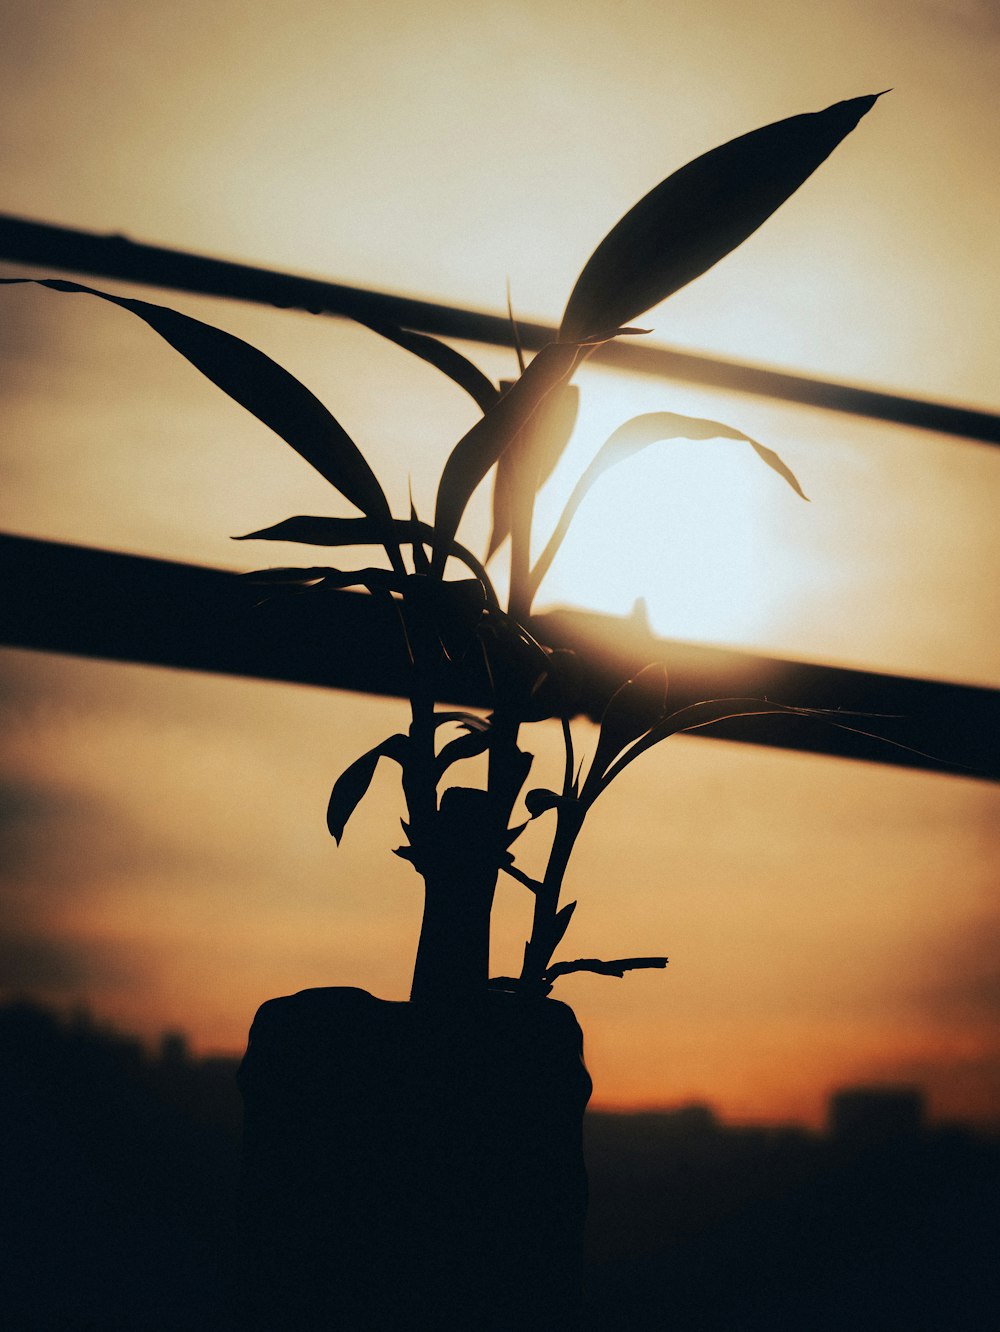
pixel 118 1172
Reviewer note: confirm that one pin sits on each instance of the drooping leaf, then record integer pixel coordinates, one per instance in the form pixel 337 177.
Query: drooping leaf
pixel 698 215
pixel 478 450
pixel 264 388
pixel 354 781
pixel 638 705
pixel 632 438
pixel 316 530
pixel 457 367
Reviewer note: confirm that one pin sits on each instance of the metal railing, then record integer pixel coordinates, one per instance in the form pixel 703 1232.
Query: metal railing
pixel 71 599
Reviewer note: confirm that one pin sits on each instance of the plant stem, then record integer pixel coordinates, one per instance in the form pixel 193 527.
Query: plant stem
pixel 542 943
pixel 457 847
pixel 452 963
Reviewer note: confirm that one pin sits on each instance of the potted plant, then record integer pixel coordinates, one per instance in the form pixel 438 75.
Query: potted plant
pixel 420 1164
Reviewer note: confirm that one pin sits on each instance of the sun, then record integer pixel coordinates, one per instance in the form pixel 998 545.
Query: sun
pixel 688 526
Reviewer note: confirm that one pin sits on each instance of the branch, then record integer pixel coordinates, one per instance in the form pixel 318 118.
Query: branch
pixel 616 968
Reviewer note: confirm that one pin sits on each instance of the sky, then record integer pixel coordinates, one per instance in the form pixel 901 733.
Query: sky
pixel 166 857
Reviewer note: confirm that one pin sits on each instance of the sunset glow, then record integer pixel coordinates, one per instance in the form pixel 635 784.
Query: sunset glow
pixel 166 861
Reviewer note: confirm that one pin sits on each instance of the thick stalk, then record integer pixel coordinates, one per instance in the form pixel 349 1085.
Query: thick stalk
pixel 456 848
pixel 453 955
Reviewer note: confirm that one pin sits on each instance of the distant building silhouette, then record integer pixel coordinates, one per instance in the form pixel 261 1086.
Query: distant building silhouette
pixel 868 1116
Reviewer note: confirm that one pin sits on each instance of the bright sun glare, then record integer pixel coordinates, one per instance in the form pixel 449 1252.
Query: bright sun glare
pixel 684 525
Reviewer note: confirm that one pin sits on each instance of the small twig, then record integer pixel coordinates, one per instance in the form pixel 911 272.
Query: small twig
pixel 521 877
pixel 616 968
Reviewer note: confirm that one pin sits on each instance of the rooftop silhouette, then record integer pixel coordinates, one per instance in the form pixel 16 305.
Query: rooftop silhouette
pixel 120 1165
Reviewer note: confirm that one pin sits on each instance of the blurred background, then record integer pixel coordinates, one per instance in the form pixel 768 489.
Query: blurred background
pixel 166 861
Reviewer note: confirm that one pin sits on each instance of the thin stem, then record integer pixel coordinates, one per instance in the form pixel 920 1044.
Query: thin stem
pixel 543 940
pixel 567 788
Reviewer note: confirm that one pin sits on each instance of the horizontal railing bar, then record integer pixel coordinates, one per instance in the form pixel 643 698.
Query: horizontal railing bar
pixel 113 256
pixel 94 603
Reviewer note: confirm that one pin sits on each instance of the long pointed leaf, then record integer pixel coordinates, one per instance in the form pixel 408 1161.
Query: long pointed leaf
pixel 477 451
pixel 421 564
pixel 309 530
pixel 696 716
pixel 538 447
pixel 381 580
pixel 457 367
pixel 632 438
pixel 560 925
pixel 354 781
pixel 532 458
pixel 698 215
pixel 263 387
pixel 638 705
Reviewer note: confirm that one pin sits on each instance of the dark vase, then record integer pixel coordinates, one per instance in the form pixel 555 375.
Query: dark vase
pixel 412 1165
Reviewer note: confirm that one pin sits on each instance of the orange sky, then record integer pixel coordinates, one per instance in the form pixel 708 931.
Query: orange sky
pixel 167 859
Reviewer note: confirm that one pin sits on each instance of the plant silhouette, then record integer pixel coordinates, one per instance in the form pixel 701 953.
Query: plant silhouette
pixel 459 838
pixel 483 1098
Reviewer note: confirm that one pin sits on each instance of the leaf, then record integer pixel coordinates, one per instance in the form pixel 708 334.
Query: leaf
pixel 521 471
pixel 468 720
pixel 281 575
pixel 515 663
pixel 457 367
pixel 443 614
pixel 374 579
pixel 354 781
pixel 696 716
pixel 546 936
pixel 531 459
pixel 478 450
pixel 515 332
pixel 539 800
pixel 421 564
pixel 470 745
pixel 631 438
pixel 559 690
pixel 561 924
pixel 638 705
pixel 698 215
pixel 310 530
pixel 264 388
